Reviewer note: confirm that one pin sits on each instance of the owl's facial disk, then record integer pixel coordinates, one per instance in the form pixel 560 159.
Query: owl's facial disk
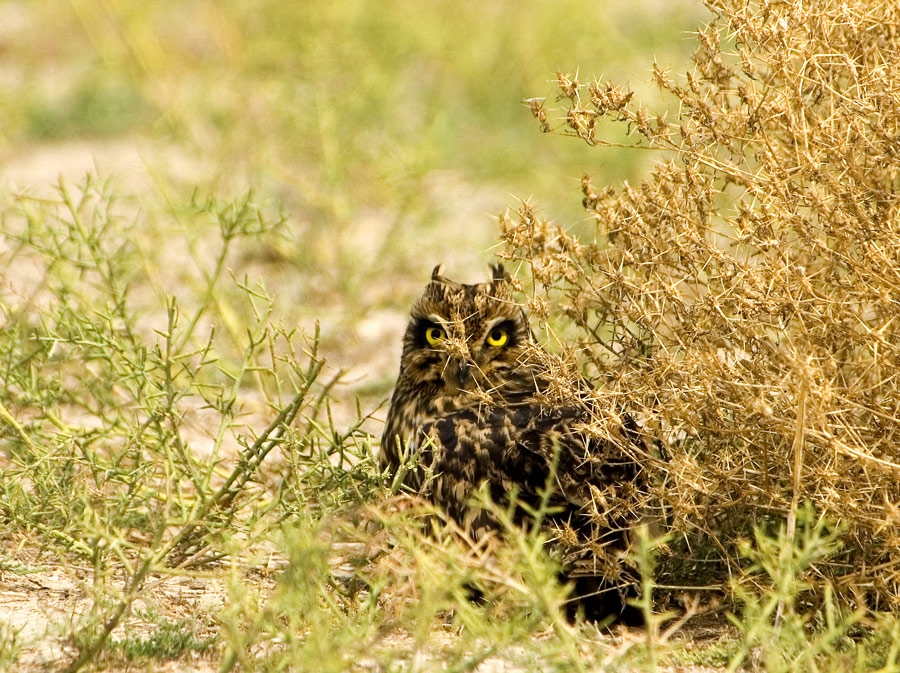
pixel 464 356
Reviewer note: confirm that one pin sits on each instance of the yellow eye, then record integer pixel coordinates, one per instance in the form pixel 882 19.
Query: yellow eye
pixel 434 335
pixel 498 337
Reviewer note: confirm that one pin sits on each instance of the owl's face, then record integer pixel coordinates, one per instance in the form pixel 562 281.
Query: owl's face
pixel 465 338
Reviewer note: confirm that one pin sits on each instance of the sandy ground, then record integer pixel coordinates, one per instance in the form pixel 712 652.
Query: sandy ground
pixel 40 602
pixel 43 603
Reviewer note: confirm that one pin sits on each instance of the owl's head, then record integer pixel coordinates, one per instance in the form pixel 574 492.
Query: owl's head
pixel 463 338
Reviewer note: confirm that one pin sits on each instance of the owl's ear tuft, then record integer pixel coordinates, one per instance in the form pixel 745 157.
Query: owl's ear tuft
pixel 436 276
pixel 498 276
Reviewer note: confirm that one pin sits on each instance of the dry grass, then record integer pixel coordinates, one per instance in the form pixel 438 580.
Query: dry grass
pixel 745 296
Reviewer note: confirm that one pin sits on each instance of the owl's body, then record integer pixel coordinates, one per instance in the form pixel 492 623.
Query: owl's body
pixel 474 407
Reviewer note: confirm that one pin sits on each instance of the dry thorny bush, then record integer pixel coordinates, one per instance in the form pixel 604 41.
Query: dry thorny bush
pixel 745 297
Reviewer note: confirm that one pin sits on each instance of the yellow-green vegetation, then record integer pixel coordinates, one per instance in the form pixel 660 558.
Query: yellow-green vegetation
pixel 187 473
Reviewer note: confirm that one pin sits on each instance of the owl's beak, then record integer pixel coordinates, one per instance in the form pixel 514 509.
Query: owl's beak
pixel 457 374
pixel 462 373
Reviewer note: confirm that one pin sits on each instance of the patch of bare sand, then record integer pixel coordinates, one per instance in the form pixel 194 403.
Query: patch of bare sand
pixel 41 602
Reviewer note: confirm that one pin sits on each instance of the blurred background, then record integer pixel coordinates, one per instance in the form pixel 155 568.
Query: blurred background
pixel 385 137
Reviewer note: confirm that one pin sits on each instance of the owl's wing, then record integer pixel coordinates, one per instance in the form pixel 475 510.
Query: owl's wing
pixel 542 456
pixel 591 487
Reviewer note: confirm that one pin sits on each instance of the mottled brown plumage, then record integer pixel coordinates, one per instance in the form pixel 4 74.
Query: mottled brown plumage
pixel 475 407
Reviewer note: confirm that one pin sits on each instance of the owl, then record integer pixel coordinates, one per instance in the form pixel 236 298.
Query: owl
pixel 478 405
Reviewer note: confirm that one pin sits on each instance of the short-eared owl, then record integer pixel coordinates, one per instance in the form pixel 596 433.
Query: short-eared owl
pixel 476 406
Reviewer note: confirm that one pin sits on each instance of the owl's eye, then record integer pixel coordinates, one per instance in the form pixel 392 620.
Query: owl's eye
pixel 434 335
pixel 498 337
